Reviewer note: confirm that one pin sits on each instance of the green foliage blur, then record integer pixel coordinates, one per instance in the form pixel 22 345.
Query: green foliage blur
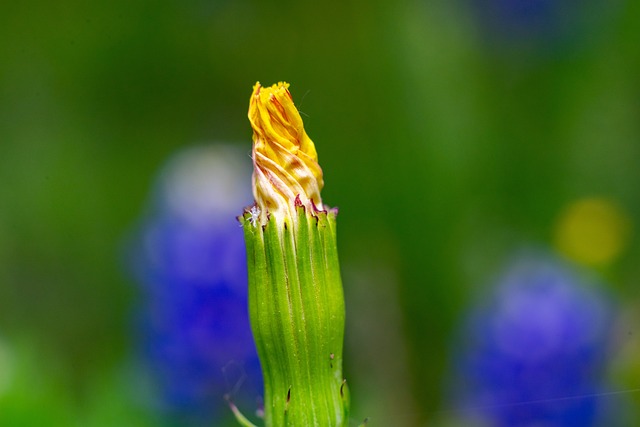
pixel 445 150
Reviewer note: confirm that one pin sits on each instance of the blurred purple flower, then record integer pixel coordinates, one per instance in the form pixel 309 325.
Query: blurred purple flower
pixel 540 23
pixel 535 354
pixel 189 259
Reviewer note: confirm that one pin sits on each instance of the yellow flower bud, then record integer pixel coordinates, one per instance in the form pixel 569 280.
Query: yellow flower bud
pixel 285 162
pixel 296 302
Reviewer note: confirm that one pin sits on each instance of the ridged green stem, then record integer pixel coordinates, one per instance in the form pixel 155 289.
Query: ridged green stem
pixel 296 305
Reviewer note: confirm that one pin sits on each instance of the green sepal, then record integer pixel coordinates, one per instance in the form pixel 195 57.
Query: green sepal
pixel 296 305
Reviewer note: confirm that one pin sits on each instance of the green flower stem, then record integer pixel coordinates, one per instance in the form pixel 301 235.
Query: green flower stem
pixel 296 305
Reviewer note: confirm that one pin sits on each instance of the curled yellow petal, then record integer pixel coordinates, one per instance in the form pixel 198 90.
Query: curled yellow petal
pixel 286 172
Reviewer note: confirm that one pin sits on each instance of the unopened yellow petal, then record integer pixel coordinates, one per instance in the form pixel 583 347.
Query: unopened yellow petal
pixel 286 169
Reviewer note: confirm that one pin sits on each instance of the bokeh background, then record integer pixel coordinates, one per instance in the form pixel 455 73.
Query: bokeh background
pixel 454 136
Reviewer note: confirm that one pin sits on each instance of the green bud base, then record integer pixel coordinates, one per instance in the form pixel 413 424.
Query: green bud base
pixel 296 305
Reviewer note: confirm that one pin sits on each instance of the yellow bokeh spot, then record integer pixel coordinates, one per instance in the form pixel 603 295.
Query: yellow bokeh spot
pixel 592 231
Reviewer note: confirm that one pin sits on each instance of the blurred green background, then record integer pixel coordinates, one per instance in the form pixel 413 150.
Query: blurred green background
pixel 446 141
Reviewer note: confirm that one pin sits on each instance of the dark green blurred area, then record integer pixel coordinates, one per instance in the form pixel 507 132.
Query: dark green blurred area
pixel 443 149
